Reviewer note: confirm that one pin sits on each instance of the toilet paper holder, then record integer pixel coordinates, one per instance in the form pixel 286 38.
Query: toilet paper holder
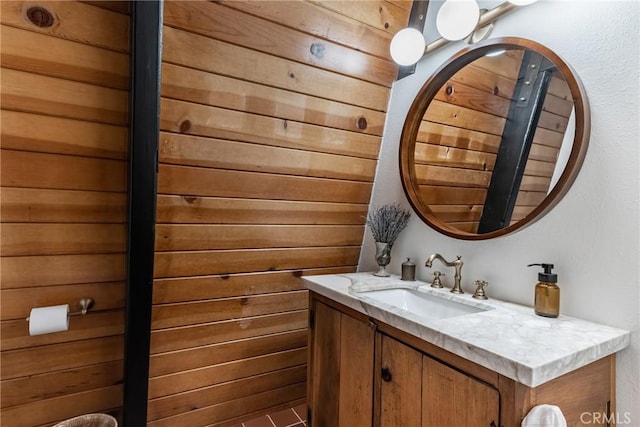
pixel 84 305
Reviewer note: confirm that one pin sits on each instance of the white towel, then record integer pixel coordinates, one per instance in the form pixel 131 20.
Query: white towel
pixel 544 416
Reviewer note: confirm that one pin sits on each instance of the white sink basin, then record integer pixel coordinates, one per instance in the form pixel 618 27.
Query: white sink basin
pixel 422 304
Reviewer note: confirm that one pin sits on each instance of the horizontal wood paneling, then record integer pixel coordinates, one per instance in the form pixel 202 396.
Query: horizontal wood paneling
pixel 320 22
pixel 46 134
pixel 42 170
pixel 75 21
pixel 216 90
pixel 23 91
pixel 184 48
pixel 64 130
pixel 236 408
pixel 227 330
pixel 42 54
pixel 199 263
pixel 187 401
pixel 195 151
pixel 27 271
pixel 202 210
pixel 271 123
pixel 232 26
pixel 215 122
pixel 205 237
pixel 29 205
pixel 191 313
pixel 215 374
pixel 16 303
pixel 15 333
pixel 46 386
pixel 61 239
pixel 381 14
pixel 213 354
pixel 191 181
pixel 63 407
pixel 56 357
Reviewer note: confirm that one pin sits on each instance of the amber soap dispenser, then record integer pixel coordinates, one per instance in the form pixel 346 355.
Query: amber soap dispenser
pixel 547 300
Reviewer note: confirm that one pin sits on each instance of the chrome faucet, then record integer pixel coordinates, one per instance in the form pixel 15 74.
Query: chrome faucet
pixel 457 265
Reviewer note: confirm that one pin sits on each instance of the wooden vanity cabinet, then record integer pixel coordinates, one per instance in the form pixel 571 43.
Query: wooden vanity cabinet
pixel 418 391
pixel 366 373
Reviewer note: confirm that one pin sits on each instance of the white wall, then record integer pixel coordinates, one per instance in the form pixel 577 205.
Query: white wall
pixel 592 236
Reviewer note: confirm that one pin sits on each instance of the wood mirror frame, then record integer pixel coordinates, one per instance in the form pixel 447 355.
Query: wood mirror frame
pixel 437 82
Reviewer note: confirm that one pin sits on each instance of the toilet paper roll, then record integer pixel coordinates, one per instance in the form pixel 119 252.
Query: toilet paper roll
pixel 45 320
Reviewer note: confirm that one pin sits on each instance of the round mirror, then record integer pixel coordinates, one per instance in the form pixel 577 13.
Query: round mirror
pixel 494 139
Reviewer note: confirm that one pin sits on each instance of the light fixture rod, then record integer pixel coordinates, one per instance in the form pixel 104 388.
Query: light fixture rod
pixel 486 18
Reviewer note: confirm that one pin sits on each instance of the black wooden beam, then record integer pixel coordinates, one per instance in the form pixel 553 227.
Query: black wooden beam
pixel 417 18
pixel 517 138
pixel 146 36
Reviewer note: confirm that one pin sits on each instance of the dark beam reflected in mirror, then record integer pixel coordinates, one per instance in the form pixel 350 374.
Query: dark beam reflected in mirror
pixel 494 139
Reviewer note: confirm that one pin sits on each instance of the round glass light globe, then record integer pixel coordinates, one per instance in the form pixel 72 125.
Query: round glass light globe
pixel 457 18
pixel 522 2
pixel 407 46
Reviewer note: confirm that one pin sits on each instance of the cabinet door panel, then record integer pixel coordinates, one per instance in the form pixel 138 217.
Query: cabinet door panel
pixel 451 398
pixel 400 392
pixel 356 373
pixel 341 370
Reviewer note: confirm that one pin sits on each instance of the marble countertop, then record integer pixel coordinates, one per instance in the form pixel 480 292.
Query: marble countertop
pixel 507 338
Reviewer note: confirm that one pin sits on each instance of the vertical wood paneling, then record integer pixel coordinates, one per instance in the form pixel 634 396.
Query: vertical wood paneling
pixel 271 118
pixel 64 123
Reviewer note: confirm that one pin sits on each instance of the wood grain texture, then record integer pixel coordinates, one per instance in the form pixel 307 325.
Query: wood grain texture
pixel 207 152
pixel 191 181
pixel 235 389
pixel 267 157
pixel 226 330
pixel 56 135
pixel 16 303
pixel 188 84
pixel 382 15
pixel 52 171
pixel 64 168
pixel 23 91
pixel 240 408
pixel 219 123
pixel 216 374
pixel 204 210
pixel 212 237
pixel 42 54
pixel 213 354
pixel 451 397
pixel 32 205
pixel 74 21
pixel 232 26
pixel 400 396
pixel 184 48
pixel 321 22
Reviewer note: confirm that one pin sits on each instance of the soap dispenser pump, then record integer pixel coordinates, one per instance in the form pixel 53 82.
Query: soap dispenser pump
pixel 547 299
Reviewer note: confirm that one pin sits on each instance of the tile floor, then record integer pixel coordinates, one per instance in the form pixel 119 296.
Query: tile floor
pixel 294 417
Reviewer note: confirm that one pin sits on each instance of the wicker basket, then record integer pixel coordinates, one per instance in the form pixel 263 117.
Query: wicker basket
pixel 89 420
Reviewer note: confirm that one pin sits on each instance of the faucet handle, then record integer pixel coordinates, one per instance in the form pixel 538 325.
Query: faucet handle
pixel 480 294
pixel 436 280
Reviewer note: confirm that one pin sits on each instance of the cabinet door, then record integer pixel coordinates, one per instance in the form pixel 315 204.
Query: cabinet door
pixel 451 398
pixel 400 388
pixel 340 369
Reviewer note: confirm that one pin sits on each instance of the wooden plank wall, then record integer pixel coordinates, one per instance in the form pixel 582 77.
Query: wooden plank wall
pixel 271 120
pixel 64 124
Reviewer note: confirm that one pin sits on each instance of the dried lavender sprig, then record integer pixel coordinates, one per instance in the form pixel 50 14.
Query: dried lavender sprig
pixel 387 221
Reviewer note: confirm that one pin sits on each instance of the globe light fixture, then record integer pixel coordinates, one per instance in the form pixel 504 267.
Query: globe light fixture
pixel 457 19
pixel 407 46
